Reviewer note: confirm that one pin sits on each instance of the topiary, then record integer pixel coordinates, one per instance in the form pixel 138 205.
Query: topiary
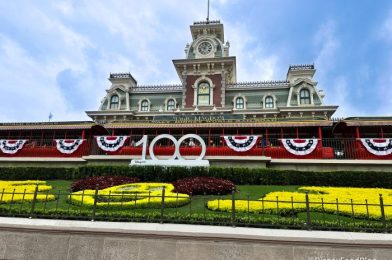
pixel 101 182
pixel 203 185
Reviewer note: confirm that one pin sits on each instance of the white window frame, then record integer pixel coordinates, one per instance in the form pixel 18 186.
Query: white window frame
pixel 274 100
pixel 311 92
pixel 269 103
pixel 195 88
pixel 235 102
pixel 141 102
pixel 111 102
pixel 167 102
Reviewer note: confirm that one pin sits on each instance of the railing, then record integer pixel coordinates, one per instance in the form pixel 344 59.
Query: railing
pixel 47 148
pixel 230 210
pixel 327 148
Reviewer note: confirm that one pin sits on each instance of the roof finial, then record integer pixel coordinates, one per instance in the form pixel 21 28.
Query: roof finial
pixel 208 11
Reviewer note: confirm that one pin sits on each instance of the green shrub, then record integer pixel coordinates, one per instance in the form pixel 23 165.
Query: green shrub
pixel 37 173
pixel 240 176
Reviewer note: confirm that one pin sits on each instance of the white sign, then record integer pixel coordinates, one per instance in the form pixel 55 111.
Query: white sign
pixel 176 159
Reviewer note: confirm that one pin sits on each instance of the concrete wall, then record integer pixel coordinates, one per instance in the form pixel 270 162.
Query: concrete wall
pixel 53 239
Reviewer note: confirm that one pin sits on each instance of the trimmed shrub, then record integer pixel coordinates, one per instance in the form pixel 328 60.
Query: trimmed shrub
pixel 203 185
pixel 37 173
pixel 240 176
pixel 101 182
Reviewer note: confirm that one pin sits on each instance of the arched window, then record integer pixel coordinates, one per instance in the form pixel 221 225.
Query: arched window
pixel 114 100
pixel 203 94
pixel 144 106
pixel 171 105
pixel 269 102
pixel 304 96
pixel 239 103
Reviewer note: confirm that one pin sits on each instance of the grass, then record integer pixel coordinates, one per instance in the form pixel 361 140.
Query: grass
pixel 194 212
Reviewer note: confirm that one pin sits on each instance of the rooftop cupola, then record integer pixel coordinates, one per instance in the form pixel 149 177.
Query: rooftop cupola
pixel 300 71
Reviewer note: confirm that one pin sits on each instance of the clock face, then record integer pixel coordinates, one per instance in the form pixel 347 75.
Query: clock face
pixel 204 48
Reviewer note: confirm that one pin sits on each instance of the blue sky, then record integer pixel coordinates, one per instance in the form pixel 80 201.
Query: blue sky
pixel 55 56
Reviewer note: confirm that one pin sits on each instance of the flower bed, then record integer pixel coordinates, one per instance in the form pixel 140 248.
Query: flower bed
pixel 101 182
pixel 136 195
pixel 321 199
pixel 17 191
pixel 203 185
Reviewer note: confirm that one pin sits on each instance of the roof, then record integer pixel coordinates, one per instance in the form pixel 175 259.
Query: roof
pixel 367 121
pixel 47 125
pixel 139 125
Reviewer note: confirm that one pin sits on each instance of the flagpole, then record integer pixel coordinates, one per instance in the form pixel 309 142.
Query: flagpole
pixel 208 11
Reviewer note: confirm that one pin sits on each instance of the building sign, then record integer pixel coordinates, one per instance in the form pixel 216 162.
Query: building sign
pixel 176 159
pixel 197 118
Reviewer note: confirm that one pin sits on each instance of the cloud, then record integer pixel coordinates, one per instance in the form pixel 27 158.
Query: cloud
pixel 327 44
pixel 20 75
pixel 253 63
pixel 384 80
pixel 66 51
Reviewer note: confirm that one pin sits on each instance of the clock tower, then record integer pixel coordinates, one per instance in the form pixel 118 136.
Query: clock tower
pixel 207 67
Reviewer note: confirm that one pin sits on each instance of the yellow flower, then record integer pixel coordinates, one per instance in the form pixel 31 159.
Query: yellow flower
pixel 360 202
pixel 135 195
pixel 16 191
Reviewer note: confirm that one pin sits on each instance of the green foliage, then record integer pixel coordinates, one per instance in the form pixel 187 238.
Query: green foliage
pixel 37 173
pixel 240 176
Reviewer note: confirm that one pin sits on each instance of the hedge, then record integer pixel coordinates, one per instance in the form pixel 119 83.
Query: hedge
pixel 240 176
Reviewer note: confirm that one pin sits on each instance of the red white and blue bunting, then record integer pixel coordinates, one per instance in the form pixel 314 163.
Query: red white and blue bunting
pixel 68 146
pixel 379 147
pixel 241 143
pixel 11 146
pixel 300 146
pixel 111 143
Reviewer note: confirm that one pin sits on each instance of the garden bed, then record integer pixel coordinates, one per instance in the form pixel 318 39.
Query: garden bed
pixel 196 209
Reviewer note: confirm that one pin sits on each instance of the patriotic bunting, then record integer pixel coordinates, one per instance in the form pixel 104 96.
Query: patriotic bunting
pixel 379 147
pixel 11 146
pixel 241 143
pixel 111 143
pixel 300 146
pixel 68 146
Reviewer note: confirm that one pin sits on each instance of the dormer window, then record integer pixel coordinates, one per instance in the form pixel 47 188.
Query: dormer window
pixel 269 102
pixel 239 103
pixel 304 97
pixel 114 101
pixel 203 94
pixel 171 105
pixel 144 106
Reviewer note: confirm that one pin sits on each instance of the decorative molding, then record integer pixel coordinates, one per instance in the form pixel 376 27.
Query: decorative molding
pixel 258 84
pixel 157 88
pixel 275 100
pixel 175 103
pixel 239 95
pixel 140 104
pixel 223 90
pixel 196 84
pixel 311 93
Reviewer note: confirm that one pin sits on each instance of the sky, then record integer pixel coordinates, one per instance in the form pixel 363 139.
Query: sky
pixel 56 56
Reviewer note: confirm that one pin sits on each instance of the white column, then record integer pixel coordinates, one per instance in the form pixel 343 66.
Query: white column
pixel 127 100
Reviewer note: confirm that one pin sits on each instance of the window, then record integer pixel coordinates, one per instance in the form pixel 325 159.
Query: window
pixel 269 102
pixel 114 102
pixel 203 94
pixel 144 106
pixel 304 96
pixel 239 103
pixel 170 104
